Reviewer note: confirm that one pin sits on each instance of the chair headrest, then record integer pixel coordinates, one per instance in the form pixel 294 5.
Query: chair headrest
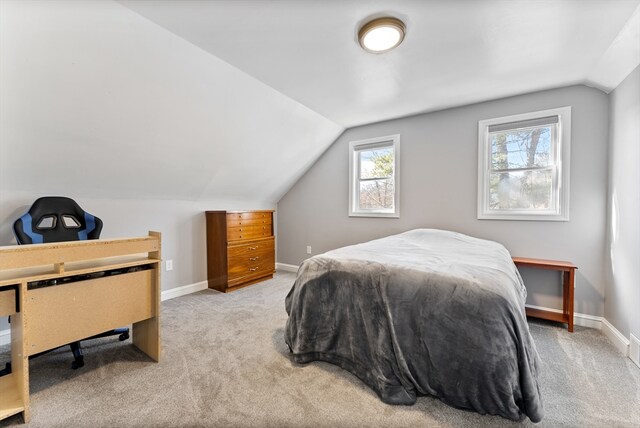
pixel 56 219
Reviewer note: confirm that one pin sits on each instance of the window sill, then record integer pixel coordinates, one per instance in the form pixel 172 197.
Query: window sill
pixel 374 214
pixel 524 217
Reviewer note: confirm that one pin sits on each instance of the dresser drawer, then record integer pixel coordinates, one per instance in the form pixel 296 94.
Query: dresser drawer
pixel 249 215
pixel 237 222
pixel 248 232
pixel 249 259
pixel 247 248
pixel 251 268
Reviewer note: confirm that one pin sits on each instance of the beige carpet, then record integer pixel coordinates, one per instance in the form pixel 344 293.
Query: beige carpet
pixel 225 364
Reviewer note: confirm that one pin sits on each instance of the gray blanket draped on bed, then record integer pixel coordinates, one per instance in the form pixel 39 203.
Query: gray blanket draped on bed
pixel 423 312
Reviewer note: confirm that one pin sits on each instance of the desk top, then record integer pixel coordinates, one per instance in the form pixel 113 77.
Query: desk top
pixel 35 262
pixel 27 256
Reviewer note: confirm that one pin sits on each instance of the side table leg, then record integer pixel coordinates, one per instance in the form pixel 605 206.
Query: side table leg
pixel 569 282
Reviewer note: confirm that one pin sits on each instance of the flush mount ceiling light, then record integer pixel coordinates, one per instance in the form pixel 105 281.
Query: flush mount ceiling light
pixel 381 35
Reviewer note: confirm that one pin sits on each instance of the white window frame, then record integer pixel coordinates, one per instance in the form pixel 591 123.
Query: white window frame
pixel 392 141
pixel 561 172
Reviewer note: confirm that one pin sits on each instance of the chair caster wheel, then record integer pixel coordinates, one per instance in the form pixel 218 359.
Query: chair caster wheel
pixel 76 364
pixel 123 337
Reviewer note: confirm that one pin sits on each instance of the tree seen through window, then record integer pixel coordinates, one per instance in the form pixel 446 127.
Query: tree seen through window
pixel 376 179
pixel 522 167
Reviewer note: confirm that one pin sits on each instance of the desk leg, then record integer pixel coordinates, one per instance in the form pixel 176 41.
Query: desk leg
pixel 19 358
pixel 146 334
pixel 145 337
pixel 20 363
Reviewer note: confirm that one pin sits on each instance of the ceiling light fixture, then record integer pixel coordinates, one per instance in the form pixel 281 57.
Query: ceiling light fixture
pixel 381 34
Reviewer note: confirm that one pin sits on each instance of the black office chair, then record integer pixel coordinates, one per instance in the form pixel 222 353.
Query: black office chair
pixel 58 219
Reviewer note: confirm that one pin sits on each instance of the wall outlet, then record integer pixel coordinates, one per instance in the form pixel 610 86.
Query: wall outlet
pixel 168 265
pixel 308 249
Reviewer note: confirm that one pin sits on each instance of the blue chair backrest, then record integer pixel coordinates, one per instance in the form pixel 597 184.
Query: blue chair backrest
pixel 56 219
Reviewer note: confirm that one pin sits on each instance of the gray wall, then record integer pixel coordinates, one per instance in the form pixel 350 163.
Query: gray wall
pixel 438 175
pixel 622 291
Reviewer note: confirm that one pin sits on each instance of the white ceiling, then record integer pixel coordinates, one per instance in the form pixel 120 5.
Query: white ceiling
pixel 455 52
pixel 203 100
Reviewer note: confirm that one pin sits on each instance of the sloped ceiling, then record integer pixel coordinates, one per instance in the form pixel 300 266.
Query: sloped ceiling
pixel 199 100
pixel 97 101
pixel 455 52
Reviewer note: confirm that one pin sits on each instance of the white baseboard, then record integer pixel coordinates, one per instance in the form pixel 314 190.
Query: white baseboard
pixel 287 268
pixel 589 321
pixel 634 349
pixel 620 342
pixel 183 291
pixel 583 320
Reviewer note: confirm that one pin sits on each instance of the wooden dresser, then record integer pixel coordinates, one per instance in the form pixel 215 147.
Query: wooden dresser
pixel 240 248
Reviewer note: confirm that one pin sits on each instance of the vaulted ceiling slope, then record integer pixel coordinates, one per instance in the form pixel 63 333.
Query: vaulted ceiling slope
pixel 203 100
pixel 455 52
pixel 97 101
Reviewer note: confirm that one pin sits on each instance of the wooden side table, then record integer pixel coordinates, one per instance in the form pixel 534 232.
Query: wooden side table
pixel 568 283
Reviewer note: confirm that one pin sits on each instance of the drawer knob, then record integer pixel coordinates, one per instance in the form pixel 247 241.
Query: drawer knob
pixel 253 248
pixel 253 259
pixel 253 269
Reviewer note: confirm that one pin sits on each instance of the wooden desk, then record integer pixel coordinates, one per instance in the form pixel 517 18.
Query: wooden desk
pixel 568 284
pixel 115 283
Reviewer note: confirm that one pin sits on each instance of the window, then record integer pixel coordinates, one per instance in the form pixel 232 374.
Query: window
pixel 523 166
pixel 373 172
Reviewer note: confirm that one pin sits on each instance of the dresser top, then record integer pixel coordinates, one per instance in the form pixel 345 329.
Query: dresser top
pixel 240 211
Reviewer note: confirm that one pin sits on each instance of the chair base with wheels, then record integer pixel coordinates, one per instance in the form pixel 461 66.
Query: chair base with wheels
pixel 76 348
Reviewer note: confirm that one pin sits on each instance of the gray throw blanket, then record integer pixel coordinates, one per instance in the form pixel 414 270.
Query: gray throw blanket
pixel 423 312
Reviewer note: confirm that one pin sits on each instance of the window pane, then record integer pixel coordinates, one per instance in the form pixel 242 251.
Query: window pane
pixel 521 190
pixel 376 194
pixel 521 148
pixel 376 163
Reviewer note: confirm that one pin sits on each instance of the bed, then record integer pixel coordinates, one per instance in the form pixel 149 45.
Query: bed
pixel 425 312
